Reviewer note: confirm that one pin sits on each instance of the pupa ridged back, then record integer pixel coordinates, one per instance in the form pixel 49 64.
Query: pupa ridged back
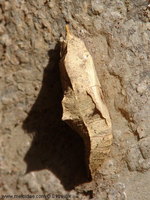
pixel 83 103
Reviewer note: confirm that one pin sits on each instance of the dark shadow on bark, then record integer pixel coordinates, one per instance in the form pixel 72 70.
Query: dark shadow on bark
pixel 55 145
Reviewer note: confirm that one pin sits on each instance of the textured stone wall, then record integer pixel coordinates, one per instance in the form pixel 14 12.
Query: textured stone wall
pixel 39 153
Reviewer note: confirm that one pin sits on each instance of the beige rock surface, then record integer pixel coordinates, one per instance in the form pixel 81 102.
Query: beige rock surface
pixel 39 153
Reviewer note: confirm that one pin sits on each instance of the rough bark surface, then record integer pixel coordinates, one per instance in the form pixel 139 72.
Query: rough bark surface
pixel 39 153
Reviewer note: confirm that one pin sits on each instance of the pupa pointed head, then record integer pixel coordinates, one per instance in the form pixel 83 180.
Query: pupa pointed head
pixel 68 33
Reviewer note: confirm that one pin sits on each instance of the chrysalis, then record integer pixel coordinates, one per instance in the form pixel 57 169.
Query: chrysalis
pixel 83 103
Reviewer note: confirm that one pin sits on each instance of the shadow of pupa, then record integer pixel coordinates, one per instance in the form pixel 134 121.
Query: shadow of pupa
pixel 55 145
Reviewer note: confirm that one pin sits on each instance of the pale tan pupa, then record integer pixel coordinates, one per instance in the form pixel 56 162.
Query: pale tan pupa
pixel 83 104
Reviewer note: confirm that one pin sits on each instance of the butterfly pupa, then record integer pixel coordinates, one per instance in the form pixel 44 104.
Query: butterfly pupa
pixel 84 108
